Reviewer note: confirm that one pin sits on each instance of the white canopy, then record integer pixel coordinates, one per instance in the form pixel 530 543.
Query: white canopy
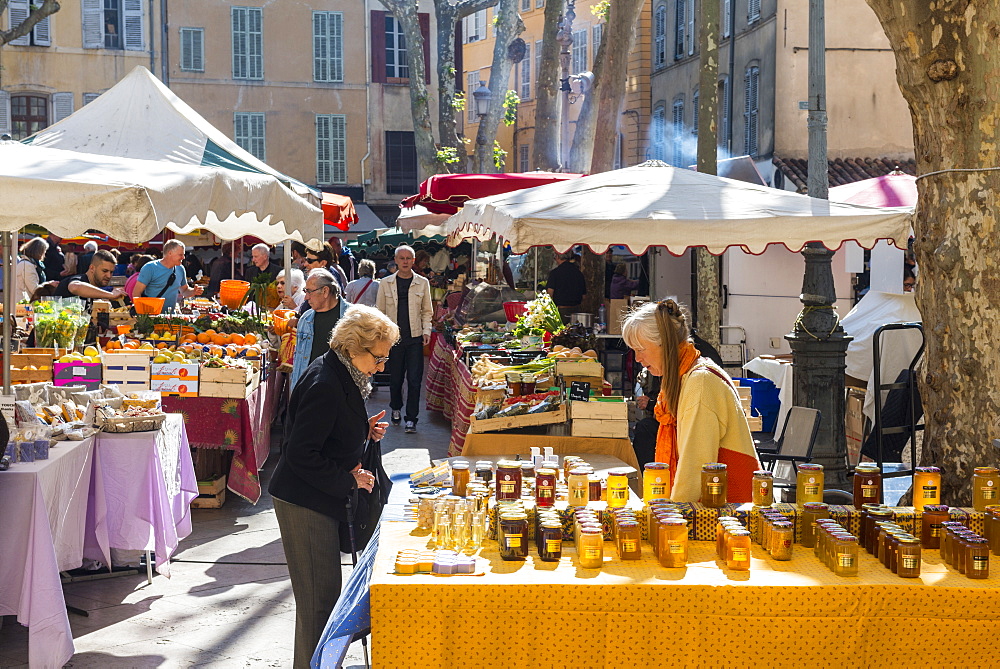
pixel 132 200
pixel 657 205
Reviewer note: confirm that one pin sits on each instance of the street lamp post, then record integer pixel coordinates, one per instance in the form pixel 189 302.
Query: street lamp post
pixel 565 40
pixel 481 98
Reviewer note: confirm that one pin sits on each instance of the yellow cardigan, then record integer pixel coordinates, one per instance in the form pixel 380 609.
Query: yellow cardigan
pixel 709 418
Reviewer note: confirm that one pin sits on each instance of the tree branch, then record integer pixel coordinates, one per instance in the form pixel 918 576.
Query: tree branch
pixel 39 12
pixel 465 7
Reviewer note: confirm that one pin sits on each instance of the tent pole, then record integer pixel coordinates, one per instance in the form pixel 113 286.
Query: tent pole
pixel 534 286
pixel 8 307
pixel 232 259
pixel 286 252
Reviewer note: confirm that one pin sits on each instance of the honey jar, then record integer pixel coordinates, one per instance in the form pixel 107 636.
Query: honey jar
pixel 811 512
pixel 738 551
pixel 545 487
pixel 926 487
pixel 932 520
pixel 985 487
pixel 809 483
pixel 628 541
pixel 513 537
pixel 459 477
pixel 673 543
pixel 508 480
pixel 655 480
pixel 579 487
pixel 867 484
pixel 617 488
pixel 714 485
pixel 550 541
pixel 763 491
pixel 591 548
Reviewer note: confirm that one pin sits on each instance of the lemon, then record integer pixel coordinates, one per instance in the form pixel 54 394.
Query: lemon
pixel 91 352
pixel 161 359
pixel 66 358
pixel 146 346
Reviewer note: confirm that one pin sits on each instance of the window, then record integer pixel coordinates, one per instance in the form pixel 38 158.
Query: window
pixel 525 92
pixel 114 24
pixel 471 84
pixel 579 63
pixel 525 5
pixel 193 49
pixel 90 97
pixel 727 17
pixel 523 158
pixel 679 28
pixel 753 10
pixel 750 109
pixel 695 101
pixel 474 27
pixel 678 133
pixel 724 114
pixel 539 4
pixel 28 115
pixel 248 43
pixel 657 130
pixel 248 131
pixel 331 149
pixel 328 46
pixel 660 37
pixel 40 35
pixel 396 66
pixel 596 33
pixel 538 61
pixel 400 163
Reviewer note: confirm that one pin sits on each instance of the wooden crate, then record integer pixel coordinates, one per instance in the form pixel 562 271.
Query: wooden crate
pixel 598 408
pixel 512 422
pixel 129 370
pixel 211 494
pixel 586 367
pixel 231 383
pixel 591 427
pixel 596 382
pixel 18 361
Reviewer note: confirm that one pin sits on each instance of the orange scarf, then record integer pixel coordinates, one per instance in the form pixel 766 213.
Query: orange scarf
pixel 666 436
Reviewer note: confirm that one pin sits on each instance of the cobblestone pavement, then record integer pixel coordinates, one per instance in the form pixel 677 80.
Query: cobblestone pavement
pixel 209 613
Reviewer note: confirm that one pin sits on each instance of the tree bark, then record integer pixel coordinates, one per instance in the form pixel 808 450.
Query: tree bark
pixel 505 29
pixel 947 67
pixel 602 107
pixel 37 13
pixel 545 149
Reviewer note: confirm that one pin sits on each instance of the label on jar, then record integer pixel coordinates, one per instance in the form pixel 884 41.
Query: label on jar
pixel 935 529
pixel 714 488
pixel 628 546
pixel 592 553
pixel 785 543
pixel 553 545
pixel 507 487
pixel 980 562
pixel 930 492
pixel 580 493
pixel 658 490
pixel 810 489
pixel 545 493
pixel 989 493
pixel 513 540
pixel 676 547
pixel 618 493
pixel 910 562
pixel 869 491
pixel 845 559
pixel 740 555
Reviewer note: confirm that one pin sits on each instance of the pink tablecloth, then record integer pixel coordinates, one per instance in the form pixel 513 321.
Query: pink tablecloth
pixel 43 508
pixel 144 500
pixel 450 391
pixel 242 426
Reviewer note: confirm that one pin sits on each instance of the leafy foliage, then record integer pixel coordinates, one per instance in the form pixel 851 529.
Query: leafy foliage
pixel 510 102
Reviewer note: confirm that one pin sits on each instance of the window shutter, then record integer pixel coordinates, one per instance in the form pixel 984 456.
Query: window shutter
pixel 336 46
pixel 198 50
pixel 597 32
pixel 753 10
pixel 255 43
pixel 538 60
pixel 678 28
pixel 660 37
pixel 425 32
pixel 724 106
pixel 133 27
pixel 90 97
pixel 539 4
pixel 93 24
pixel 526 73
pixel 678 132
pixel 239 16
pixel 4 112
pixel 321 45
pixel 323 148
pixel 727 15
pixel 43 32
pixel 62 106
pixel 17 13
pixel 690 35
pixel 378 47
pixel 471 84
pixel 338 149
pixel 695 101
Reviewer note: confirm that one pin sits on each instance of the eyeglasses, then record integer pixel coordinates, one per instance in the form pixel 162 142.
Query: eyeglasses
pixel 378 360
pixel 311 260
pixel 309 291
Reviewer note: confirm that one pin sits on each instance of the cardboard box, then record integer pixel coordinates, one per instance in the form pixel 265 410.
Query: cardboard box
pixel 509 423
pixel 854 424
pixel 175 387
pixel 588 427
pixel 175 370
pixel 617 310
pixel 87 374
pixel 607 408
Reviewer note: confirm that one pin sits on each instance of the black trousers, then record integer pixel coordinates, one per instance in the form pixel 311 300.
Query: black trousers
pixel 406 362
pixel 644 440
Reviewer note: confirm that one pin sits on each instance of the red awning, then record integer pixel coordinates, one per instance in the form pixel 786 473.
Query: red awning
pixel 446 193
pixel 338 211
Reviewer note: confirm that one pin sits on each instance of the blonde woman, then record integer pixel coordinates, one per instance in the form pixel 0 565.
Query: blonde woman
pixel 698 409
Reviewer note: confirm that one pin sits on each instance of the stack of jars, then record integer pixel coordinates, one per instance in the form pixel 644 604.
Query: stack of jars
pixel 837 548
pixel 627 538
pixel 668 533
pixel 775 533
pixel 896 549
pixel 589 538
pixel 460 524
pixel 965 550
pixel 548 533
pixel 732 544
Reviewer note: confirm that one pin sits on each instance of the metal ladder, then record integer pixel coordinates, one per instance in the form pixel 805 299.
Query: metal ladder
pixel 909 384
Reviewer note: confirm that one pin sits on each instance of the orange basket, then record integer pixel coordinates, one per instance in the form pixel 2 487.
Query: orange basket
pixel 232 292
pixel 148 305
pixel 280 318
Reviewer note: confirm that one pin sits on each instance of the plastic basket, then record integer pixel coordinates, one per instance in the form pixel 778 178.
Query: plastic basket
pixel 148 305
pixel 280 318
pixel 514 310
pixel 232 292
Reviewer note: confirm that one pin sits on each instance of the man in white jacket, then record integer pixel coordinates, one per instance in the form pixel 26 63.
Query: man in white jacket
pixel 405 297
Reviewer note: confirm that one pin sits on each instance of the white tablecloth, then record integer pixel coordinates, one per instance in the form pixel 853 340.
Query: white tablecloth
pixel 778 372
pixel 43 508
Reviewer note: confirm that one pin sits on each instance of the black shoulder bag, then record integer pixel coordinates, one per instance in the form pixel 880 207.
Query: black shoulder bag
pixel 365 508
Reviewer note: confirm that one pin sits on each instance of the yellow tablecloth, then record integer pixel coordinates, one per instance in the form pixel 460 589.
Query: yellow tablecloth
pixel 493 443
pixel 780 614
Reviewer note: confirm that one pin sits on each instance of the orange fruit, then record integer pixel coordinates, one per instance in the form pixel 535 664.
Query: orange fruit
pixel 132 344
pixel 250 338
pixel 161 344
pixel 237 339
pixel 232 351
pixel 204 338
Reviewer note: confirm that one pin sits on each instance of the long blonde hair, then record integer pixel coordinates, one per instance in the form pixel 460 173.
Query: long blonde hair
pixel 664 323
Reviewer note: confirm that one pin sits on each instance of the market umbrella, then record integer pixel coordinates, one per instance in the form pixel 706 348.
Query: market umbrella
pixel 654 204
pixel 338 211
pixel 890 190
pixel 446 193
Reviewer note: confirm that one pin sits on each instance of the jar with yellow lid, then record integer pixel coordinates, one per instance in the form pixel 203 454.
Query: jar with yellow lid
pixel 655 481
pixel 926 487
pixel 809 483
pixel 763 488
pixel 714 485
pixel 617 488
pixel 985 487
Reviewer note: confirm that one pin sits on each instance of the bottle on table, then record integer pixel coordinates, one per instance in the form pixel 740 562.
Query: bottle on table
pixel 459 477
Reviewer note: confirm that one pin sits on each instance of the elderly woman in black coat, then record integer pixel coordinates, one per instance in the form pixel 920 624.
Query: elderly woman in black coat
pixel 320 468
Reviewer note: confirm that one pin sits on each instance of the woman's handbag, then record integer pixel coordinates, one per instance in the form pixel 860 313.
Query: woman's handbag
pixel 365 508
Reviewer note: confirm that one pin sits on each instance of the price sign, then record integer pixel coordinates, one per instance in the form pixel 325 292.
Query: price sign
pixel 579 391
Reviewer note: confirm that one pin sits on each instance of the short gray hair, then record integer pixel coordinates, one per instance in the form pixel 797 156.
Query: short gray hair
pixel 404 247
pixel 295 280
pixel 360 328
pixel 325 278
pixel 172 244
pixel 263 248
pixel 366 268
pixel 90 246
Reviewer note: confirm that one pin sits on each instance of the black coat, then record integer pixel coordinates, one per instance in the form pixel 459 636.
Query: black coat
pixel 325 439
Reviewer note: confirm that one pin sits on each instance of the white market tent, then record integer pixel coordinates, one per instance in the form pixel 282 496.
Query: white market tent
pixel 654 204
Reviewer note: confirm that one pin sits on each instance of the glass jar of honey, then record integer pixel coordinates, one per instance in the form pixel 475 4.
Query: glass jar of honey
pixel 579 488
pixel 866 522
pixel 513 537
pixel 876 516
pixel 550 541
pixel 591 548
pixel 484 471
pixel 459 477
pixel 508 480
pixel 628 540
pixel 867 484
pixel 617 488
pixel 545 487
pixel 595 489
pixel 763 490
pixel 932 519
pixel 977 558
pixel 673 539
pixel 908 557
pixel 809 483
pixel 845 548
pixel 985 487
pixel 782 537
pixel 655 481
pixel 811 512
pixel 926 487
pixel 714 485
pixel 738 551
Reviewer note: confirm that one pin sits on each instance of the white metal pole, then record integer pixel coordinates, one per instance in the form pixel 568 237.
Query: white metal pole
pixel 8 305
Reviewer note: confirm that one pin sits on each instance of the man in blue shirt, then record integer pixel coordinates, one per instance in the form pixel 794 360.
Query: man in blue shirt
pixel 166 278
